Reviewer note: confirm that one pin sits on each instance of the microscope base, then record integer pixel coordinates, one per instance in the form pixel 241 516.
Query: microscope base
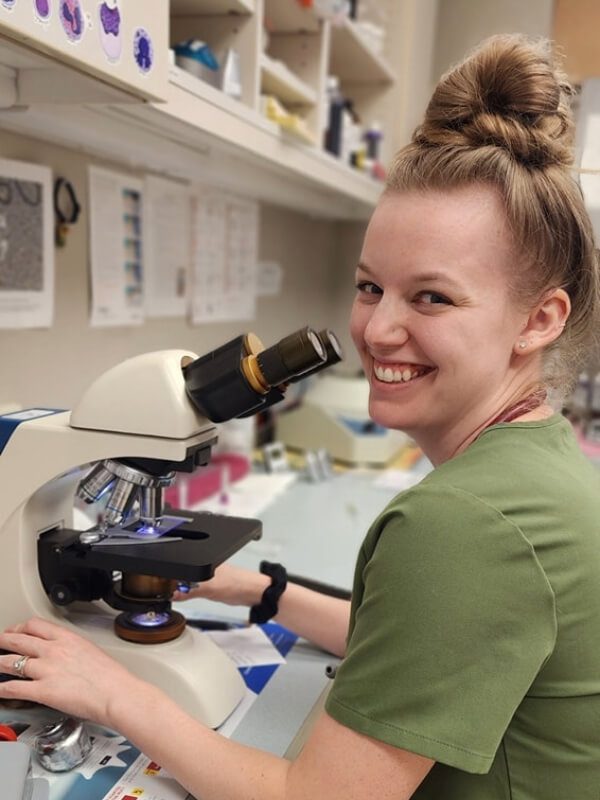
pixel 191 669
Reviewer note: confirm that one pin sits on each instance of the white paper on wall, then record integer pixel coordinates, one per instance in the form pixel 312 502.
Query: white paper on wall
pixel 116 248
pixel 588 146
pixel 224 257
pixel 167 247
pixel 26 246
pixel 270 278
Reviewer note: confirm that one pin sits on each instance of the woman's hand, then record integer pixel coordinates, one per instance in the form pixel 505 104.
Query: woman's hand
pixel 230 585
pixel 65 671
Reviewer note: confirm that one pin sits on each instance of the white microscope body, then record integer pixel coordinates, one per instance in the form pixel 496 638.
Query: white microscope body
pixel 137 409
pixel 138 423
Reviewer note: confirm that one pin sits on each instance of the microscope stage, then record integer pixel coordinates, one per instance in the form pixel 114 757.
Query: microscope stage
pixel 202 542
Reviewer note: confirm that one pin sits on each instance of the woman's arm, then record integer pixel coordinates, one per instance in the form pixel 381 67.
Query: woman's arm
pixel 72 674
pixel 319 618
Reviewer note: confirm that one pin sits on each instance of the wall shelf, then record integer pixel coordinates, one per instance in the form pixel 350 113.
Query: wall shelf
pixel 180 8
pixel 288 16
pixel 280 81
pixel 353 60
pixel 192 131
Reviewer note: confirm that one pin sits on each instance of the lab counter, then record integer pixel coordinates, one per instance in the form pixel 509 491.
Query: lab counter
pixel 315 530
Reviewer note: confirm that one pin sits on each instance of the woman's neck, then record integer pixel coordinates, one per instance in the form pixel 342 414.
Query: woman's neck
pixel 442 446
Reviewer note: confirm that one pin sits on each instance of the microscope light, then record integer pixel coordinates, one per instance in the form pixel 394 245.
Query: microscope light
pixel 147 529
pixel 150 619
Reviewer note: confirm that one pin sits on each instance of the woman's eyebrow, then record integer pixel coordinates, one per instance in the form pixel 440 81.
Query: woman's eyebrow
pixel 437 277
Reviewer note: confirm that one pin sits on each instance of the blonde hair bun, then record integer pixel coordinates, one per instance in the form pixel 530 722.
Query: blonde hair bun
pixel 509 94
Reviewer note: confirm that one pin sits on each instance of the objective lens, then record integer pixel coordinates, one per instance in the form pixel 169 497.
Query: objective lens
pixel 120 502
pixel 291 356
pixel 96 482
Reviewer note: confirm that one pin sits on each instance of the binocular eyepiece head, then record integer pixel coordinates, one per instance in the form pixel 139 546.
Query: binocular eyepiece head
pixel 242 376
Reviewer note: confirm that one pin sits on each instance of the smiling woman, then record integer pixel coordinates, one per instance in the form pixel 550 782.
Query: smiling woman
pixel 472 643
pixel 439 346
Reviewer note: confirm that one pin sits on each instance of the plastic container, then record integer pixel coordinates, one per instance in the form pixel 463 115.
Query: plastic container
pixel 196 57
pixel 335 126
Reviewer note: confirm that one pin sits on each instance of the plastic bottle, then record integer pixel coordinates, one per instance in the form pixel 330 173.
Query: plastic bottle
pixel 336 103
pixel 373 137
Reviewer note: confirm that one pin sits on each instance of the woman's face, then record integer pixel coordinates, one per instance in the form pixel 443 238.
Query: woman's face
pixel 433 319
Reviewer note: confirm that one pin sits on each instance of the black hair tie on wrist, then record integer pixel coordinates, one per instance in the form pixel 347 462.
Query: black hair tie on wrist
pixel 269 602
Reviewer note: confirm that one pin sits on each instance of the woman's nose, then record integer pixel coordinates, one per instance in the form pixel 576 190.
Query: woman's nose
pixel 387 327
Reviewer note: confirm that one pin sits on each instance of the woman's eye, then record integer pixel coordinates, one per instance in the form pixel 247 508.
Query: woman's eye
pixel 433 298
pixel 368 288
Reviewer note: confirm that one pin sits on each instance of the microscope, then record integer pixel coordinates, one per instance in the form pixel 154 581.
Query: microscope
pixel 133 430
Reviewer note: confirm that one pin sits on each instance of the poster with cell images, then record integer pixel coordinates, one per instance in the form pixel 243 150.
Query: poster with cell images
pixel 26 246
pixel 167 247
pixel 224 257
pixel 116 248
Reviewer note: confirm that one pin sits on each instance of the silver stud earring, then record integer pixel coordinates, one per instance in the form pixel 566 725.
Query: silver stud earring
pixel 522 344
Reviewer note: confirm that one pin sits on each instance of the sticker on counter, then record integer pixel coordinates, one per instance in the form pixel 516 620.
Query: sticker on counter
pixel 42 9
pixel 110 29
pixel 71 17
pixel 143 50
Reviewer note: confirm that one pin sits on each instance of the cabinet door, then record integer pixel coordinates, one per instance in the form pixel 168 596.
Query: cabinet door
pixel 120 42
pixel 575 31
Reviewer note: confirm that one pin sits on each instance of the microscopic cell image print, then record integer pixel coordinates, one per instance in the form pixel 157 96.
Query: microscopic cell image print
pixel 110 29
pixel 71 18
pixel 143 50
pixel 42 8
pixel 8 3
pixel 21 235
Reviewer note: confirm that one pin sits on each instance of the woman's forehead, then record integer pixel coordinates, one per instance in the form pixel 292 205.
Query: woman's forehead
pixel 435 230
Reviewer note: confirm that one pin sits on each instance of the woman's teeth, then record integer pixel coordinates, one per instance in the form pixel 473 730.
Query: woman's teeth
pixel 389 375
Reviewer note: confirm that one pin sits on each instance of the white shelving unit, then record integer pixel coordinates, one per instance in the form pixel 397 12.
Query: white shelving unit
pixel 196 132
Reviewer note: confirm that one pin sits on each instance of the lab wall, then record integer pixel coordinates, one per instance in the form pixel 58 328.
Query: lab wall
pixel 53 366
pixel 462 24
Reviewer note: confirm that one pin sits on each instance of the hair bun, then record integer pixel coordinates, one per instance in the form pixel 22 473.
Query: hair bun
pixel 507 94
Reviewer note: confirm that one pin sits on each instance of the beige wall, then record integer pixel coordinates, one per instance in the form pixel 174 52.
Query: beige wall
pixel 53 366
pixel 461 24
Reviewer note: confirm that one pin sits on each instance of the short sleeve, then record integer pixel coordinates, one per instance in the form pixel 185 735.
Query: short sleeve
pixel 455 621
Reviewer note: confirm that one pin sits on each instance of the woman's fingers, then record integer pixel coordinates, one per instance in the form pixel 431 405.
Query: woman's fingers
pixel 21 690
pixel 21 643
pixel 41 628
pixel 13 664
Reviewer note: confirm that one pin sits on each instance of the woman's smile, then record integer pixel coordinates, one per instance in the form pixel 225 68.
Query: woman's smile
pixel 399 373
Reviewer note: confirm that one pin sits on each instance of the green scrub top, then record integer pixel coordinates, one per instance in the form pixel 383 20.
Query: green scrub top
pixel 475 628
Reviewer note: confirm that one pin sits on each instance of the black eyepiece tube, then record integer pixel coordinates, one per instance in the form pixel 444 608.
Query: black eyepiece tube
pixel 333 348
pixel 294 355
pixel 333 354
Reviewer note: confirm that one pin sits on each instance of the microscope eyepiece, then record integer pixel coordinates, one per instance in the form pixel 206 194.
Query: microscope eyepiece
pixel 242 376
pixel 332 345
pixel 291 357
pixel 333 354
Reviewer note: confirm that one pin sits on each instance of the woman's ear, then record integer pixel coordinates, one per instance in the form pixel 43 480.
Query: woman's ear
pixel 545 322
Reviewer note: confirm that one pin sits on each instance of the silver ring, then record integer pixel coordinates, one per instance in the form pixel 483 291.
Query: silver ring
pixel 20 664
